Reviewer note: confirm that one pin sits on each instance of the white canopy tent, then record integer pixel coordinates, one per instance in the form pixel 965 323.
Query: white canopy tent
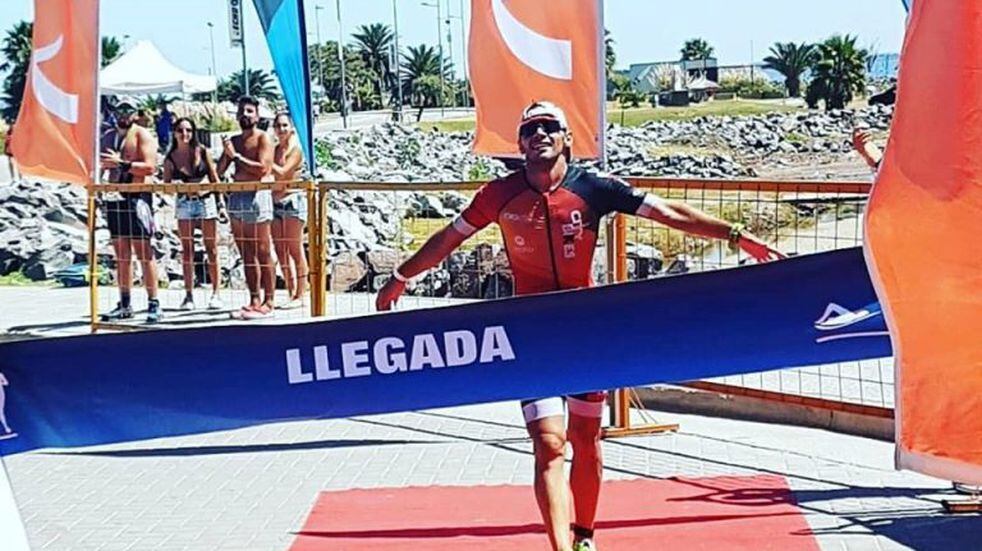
pixel 144 70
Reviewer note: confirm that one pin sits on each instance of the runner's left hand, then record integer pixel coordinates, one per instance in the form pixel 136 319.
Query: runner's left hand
pixel 759 250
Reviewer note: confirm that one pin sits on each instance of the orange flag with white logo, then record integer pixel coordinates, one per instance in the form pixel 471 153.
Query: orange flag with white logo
pixel 525 51
pixel 923 242
pixel 55 131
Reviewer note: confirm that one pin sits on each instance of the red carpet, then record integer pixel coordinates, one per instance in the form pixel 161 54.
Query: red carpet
pixel 751 513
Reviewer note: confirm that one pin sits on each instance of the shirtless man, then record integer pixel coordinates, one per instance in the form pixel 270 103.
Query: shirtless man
pixel 129 153
pixel 251 212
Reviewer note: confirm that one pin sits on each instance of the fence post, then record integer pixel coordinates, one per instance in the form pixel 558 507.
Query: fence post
pixel 318 279
pixel 93 263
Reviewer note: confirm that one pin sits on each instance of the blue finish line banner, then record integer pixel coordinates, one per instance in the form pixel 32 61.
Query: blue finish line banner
pixel 110 388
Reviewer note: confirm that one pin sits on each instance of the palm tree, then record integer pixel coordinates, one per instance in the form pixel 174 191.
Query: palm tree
pixel 695 49
pixel 111 49
pixel 15 49
pixel 791 60
pixel 262 85
pixel 610 56
pixel 374 43
pixel 839 72
pixel 421 61
pixel 16 52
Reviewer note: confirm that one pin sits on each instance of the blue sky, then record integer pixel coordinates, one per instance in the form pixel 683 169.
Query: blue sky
pixel 645 30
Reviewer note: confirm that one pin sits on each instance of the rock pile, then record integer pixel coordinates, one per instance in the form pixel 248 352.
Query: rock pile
pixel 43 226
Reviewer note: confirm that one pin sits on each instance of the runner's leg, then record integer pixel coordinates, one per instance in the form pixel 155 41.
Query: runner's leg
pixel 551 489
pixel 587 470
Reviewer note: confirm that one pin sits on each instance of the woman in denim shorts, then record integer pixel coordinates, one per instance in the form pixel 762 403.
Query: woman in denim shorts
pixel 289 211
pixel 189 162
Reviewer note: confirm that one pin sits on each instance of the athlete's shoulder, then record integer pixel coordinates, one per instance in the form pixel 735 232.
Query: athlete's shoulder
pixel 506 186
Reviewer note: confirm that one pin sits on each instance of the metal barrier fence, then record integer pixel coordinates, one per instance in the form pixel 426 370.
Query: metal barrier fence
pixel 357 232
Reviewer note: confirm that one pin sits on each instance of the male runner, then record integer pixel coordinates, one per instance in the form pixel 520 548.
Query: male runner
pixel 252 211
pixel 129 153
pixel 549 213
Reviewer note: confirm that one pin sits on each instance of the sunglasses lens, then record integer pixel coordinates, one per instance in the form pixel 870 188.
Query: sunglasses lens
pixel 529 130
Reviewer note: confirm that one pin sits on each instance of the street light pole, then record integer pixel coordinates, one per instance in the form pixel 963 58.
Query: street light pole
pixel 463 51
pixel 214 67
pixel 439 38
pixel 320 58
pixel 397 61
pixel 449 44
pixel 344 90
pixel 463 48
pixel 245 65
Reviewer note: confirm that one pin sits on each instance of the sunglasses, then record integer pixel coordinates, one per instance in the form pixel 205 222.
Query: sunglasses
pixel 529 129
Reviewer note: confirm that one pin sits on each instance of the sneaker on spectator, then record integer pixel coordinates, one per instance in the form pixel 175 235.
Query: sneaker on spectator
pixel 215 302
pixel 153 311
pixel 188 304
pixel 118 313
pixel 293 304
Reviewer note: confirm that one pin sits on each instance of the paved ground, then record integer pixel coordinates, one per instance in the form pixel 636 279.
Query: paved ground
pixel 253 488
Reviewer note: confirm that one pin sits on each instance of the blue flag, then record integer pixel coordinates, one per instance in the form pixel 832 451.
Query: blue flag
pixel 285 27
pixel 109 388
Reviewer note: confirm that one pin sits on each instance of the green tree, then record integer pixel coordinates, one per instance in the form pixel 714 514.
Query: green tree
pixel 262 85
pixel 111 49
pixel 359 80
pixel 419 62
pixel 610 55
pixel 791 60
pixel 838 73
pixel 15 50
pixel 374 43
pixel 696 49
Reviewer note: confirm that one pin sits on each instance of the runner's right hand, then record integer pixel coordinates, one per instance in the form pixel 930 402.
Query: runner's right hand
pixel 389 294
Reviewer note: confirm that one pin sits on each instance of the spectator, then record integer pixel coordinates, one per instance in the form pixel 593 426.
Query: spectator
pixel 289 211
pixel 165 123
pixel 251 212
pixel 129 153
pixel 188 161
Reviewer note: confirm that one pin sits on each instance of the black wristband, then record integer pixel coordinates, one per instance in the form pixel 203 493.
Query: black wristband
pixel 125 166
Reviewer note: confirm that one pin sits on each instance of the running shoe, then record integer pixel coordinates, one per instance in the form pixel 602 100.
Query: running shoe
pixel 215 302
pixel 153 311
pixel 118 313
pixel 188 304
pixel 584 545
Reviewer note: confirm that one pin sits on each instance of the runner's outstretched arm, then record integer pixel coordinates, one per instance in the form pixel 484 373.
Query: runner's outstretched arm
pixel 436 248
pixel 683 217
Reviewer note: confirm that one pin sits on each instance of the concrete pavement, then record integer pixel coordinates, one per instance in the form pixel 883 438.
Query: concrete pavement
pixel 253 488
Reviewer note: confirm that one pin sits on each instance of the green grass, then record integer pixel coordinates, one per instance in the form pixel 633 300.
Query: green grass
pixel 639 116
pixel 17 279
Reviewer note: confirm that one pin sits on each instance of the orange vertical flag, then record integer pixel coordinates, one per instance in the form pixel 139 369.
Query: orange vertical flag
pixel 923 241
pixel 523 51
pixel 55 130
